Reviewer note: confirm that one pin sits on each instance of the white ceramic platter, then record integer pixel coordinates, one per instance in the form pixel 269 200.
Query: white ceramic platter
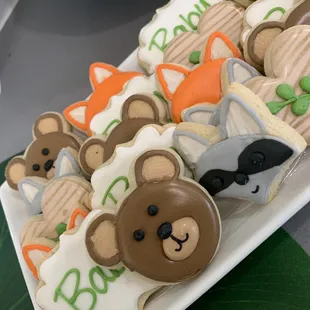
pixel 245 227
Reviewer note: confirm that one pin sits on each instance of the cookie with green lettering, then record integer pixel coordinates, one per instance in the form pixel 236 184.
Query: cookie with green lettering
pixel 57 205
pixel 178 16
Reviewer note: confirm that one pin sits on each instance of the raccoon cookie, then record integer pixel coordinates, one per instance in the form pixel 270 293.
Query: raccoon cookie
pixel 51 133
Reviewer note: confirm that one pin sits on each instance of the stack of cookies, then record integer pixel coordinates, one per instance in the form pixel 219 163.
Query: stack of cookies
pixel 123 186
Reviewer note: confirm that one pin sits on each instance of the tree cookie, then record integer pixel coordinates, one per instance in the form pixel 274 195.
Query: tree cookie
pixel 106 82
pixel 176 17
pixel 247 155
pixel 286 87
pixel 63 202
pixel 51 133
pixel 137 111
pixel 184 87
pixel 110 181
pixel 225 17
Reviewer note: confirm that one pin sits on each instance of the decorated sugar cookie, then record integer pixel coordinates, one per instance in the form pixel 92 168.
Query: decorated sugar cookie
pixel 137 111
pixel 104 122
pixel 184 87
pixel 106 81
pixel 225 17
pixel 110 181
pixel 263 34
pixel 166 231
pixel 247 155
pixel 63 201
pixel 286 88
pixel 174 18
pixel 265 10
pixel 51 133
pixel 245 3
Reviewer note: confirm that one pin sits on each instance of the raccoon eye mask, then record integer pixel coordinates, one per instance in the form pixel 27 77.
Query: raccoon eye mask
pixel 258 157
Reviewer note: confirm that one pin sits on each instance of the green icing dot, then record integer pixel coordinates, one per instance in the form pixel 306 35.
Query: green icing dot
pixel 194 57
pixel 61 228
pixel 305 84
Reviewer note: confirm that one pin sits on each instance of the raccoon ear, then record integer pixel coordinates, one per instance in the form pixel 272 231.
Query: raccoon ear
pixel 99 71
pixel 66 163
pixel 204 113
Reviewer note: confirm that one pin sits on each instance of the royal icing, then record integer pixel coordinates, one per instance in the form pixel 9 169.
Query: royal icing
pixel 176 17
pixel 110 181
pixel 72 280
pixel 106 81
pixel 105 121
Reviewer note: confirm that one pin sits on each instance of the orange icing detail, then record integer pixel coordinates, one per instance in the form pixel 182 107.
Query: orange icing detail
pixel 75 214
pixel 26 249
pixel 92 72
pixel 100 97
pixel 203 84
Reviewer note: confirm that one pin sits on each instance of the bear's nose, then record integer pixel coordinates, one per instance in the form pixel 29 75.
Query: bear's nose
pixel 48 165
pixel 164 231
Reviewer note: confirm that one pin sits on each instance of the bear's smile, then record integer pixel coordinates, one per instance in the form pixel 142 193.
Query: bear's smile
pixel 179 242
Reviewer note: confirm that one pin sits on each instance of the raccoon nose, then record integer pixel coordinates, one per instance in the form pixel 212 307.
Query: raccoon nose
pixel 164 231
pixel 242 178
pixel 48 165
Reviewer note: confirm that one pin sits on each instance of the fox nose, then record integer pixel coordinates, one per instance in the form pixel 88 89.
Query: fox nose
pixel 48 165
pixel 164 231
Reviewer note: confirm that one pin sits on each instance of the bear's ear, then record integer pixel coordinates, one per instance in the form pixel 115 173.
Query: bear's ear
pixel 75 114
pixel 91 154
pixel 101 240
pixel 219 46
pixel 237 70
pixel 170 77
pixel 100 71
pixel 66 163
pixel 15 171
pixel 260 39
pixel 156 166
pixel 29 189
pixel 140 106
pixel 48 123
pixel 204 113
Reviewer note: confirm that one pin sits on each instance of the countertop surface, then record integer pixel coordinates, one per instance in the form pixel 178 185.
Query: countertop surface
pixel 46 48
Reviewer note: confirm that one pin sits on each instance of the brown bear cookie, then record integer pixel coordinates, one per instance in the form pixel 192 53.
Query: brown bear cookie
pixel 137 111
pixel 167 228
pixel 51 133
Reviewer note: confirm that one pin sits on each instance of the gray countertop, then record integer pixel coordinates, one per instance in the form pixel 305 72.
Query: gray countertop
pixel 46 48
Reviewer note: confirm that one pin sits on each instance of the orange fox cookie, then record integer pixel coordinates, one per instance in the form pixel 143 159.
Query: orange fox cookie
pixel 106 81
pixel 184 88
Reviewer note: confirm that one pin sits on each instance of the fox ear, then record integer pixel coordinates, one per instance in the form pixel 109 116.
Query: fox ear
pixel 170 77
pixel 100 71
pixel 75 115
pixel 219 46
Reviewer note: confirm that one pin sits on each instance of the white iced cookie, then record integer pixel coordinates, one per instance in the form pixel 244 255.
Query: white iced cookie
pixel 174 18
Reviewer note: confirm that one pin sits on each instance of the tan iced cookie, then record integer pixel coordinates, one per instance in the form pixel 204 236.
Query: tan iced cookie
pixel 51 133
pixel 226 17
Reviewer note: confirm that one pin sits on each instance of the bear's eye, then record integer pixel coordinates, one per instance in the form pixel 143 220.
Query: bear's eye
pixel 152 210
pixel 257 159
pixel 36 167
pixel 138 235
pixel 45 151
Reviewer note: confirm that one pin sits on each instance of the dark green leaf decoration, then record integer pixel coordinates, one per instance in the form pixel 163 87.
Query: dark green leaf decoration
pixel 300 106
pixel 194 57
pixel 305 84
pixel 285 91
pixel 61 228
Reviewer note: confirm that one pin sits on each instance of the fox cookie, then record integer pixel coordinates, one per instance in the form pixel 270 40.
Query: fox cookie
pixel 51 133
pixel 247 155
pixel 174 18
pixel 106 82
pixel 265 10
pixel 184 87
pixel 265 33
pixel 225 17
pixel 137 111
pixel 110 181
pixel 286 87
pixel 150 244
pixel 63 201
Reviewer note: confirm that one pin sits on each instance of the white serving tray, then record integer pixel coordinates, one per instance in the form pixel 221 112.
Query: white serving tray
pixel 245 227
